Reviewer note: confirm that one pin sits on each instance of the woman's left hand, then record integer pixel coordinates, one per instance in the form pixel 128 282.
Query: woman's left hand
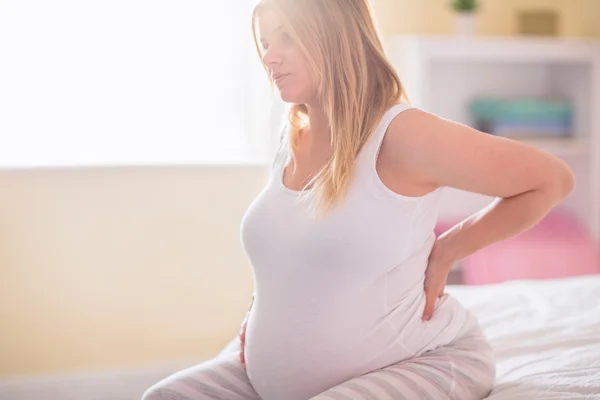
pixel 438 266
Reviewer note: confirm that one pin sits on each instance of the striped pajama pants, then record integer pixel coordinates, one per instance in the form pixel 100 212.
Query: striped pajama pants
pixel 462 370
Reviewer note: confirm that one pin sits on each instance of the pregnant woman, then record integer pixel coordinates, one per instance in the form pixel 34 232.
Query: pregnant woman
pixel 349 275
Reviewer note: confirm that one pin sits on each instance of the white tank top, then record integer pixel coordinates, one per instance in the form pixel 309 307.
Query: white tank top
pixel 342 295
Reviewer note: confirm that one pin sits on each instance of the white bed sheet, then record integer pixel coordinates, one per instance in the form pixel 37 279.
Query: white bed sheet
pixel 546 334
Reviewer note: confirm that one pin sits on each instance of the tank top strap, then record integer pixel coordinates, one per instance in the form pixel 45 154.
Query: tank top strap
pixel 374 143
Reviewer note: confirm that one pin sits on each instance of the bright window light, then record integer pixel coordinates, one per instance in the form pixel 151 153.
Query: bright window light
pixel 128 82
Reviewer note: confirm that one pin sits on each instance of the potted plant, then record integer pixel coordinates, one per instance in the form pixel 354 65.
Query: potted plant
pixel 465 10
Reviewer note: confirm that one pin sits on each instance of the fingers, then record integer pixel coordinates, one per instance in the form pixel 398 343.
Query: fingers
pixel 429 306
pixel 243 341
pixel 243 334
pixel 243 345
pixel 244 323
pixel 430 301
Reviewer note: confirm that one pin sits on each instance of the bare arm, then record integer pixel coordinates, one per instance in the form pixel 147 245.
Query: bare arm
pixel 526 181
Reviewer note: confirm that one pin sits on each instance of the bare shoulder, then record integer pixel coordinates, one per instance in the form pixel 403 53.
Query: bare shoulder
pixel 440 152
pixel 404 140
pixel 400 148
pixel 409 141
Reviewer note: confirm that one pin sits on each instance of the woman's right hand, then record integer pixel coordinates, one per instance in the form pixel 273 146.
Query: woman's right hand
pixel 243 334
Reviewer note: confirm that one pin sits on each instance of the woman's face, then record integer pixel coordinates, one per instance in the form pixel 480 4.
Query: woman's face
pixel 285 61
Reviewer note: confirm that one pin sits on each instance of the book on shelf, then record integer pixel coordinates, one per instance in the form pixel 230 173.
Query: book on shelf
pixel 523 118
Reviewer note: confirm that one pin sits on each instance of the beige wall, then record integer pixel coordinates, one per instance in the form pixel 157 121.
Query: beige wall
pixel 121 267
pixel 496 17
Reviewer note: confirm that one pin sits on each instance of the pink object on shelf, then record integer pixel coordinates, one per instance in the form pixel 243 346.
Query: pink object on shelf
pixel 557 247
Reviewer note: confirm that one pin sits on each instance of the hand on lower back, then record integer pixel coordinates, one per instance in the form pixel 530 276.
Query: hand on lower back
pixel 438 266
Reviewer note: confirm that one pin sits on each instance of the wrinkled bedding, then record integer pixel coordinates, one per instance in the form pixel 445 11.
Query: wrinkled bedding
pixel 546 335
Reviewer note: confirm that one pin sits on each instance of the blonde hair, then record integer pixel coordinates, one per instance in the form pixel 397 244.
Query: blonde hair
pixel 356 83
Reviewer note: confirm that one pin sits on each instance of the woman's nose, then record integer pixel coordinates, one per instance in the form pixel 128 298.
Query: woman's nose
pixel 272 58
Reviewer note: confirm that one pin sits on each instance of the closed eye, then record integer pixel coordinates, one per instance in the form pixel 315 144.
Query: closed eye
pixel 286 38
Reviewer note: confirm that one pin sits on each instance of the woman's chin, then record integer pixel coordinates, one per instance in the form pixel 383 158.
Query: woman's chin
pixel 288 97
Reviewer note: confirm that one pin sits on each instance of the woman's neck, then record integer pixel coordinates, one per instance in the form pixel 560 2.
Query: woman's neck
pixel 319 132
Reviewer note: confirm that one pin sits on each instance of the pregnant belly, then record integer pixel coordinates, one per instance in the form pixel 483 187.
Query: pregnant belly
pixel 279 370
pixel 298 358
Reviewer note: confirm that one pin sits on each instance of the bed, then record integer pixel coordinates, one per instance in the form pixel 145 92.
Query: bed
pixel 546 334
